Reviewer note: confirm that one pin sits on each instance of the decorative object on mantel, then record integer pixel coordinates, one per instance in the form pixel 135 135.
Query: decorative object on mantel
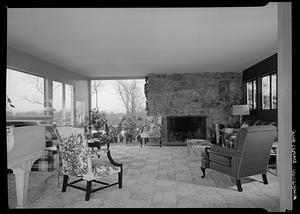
pixel 240 110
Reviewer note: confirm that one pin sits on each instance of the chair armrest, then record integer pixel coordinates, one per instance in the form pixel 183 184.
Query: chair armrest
pixel 225 151
pixel 112 160
pixel 104 140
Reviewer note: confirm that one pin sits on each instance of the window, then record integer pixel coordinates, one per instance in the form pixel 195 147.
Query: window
pixel 269 92
pixel 251 94
pixel 63 103
pixel 26 93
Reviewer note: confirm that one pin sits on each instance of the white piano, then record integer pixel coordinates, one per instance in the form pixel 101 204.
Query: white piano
pixel 25 145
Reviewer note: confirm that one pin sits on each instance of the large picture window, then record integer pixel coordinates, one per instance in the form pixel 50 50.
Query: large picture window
pixel 251 94
pixel 269 92
pixel 26 93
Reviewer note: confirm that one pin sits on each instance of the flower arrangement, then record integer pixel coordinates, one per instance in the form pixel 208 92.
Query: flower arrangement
pixel 98 119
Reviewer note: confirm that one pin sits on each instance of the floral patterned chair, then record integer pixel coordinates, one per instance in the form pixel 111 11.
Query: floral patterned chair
pixel 78 161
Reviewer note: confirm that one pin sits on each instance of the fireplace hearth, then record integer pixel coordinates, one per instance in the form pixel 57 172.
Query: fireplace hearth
pixel 180 128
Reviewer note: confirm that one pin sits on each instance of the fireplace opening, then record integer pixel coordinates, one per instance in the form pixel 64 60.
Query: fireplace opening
pixel 181 128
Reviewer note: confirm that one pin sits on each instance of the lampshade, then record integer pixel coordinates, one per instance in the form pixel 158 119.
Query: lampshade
pixel 49 109
pixel 240 110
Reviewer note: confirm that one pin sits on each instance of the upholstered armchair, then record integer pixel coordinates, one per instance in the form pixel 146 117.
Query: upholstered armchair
pixel 78 161
pixel 249 156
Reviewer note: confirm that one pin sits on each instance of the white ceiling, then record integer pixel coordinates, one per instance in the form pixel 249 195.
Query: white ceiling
pixel 132 42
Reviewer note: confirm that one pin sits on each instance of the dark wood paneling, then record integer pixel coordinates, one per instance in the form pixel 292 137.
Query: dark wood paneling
pixel 266 66
pixel 264 115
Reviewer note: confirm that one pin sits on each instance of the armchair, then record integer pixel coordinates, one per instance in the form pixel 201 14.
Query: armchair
pixel 77 161
pixel 249 156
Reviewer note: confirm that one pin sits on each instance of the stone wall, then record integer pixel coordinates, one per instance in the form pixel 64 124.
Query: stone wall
pixel 188 94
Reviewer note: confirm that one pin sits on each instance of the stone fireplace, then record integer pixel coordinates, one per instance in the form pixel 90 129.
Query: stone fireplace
pixel 192 99
pixel 180 128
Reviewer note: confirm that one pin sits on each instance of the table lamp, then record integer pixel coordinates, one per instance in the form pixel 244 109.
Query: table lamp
pixel 240 110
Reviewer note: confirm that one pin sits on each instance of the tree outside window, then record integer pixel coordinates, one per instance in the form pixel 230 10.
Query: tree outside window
pixel 269 92
pixel 251 94
pixel 274 90
pixel 266 92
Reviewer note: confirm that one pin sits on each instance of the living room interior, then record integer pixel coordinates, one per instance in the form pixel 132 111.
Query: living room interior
pixel 198 65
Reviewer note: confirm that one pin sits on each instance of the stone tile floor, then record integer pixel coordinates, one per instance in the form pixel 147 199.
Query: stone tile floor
pixel 155 177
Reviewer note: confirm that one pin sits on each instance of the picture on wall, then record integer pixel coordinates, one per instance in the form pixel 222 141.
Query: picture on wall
pixel 224 90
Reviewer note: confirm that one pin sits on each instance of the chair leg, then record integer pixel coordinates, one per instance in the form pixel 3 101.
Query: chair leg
pixel 203 171
pixel 88 190
pixel 239 185
pixel 264 177
pixel 120 177
pixel 65 182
